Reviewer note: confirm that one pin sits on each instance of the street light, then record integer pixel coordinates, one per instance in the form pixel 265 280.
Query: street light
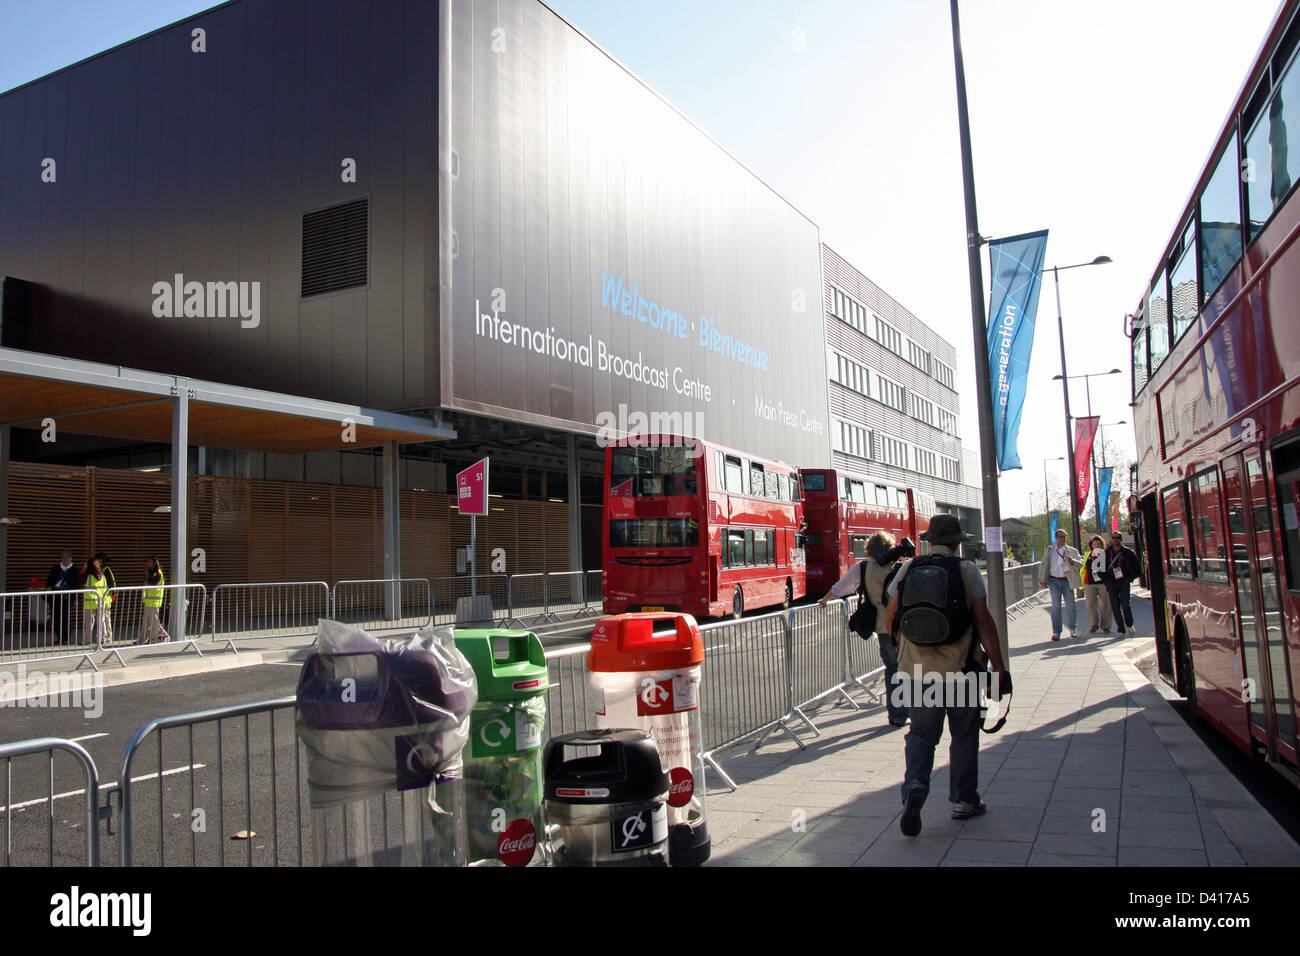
pixel 1065 385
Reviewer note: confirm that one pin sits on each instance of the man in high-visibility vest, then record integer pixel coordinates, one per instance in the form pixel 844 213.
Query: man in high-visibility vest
pixel 155 583
pixel 96 602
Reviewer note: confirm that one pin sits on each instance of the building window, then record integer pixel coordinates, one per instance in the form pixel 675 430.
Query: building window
pixel 950 469
pixel 947 422
pixel 922 409
pixel 888 336
pixel 942 373
pixel 918 356
pixel 888 392
pixel 852 439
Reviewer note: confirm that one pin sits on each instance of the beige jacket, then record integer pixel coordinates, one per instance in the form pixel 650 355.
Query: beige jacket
pixel 1073 559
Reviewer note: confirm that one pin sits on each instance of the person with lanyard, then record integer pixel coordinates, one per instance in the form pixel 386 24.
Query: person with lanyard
pixel 1061 574
pixel 1121 569
pixel 1096 594
pixel 62 577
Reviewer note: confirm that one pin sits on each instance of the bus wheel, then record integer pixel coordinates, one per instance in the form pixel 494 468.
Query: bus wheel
pixel 789 595
pixel 1186 676
pixel 737 603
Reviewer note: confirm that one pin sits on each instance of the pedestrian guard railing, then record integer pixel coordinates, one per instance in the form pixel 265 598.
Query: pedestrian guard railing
pixel 33 833
pixel 225 785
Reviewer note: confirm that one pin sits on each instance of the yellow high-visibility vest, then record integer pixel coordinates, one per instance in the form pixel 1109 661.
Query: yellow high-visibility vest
pixel 97 591
pixel 153 595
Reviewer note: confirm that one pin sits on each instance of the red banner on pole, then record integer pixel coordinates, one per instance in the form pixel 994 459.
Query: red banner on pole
pixel 1084 431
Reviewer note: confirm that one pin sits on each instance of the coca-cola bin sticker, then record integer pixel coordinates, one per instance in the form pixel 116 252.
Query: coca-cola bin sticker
pixel 681 786
pixel 517 843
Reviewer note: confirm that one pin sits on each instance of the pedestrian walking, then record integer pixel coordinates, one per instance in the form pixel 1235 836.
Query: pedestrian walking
pixel 95 600
pixel 62 577
pixel 1121 570
pixel 938 609
pixel 1061 574
pixel 868 578
pixel 1096 596
pixel 151 627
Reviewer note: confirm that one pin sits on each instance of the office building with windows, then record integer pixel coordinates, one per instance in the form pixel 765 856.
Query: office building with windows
pixel 894 411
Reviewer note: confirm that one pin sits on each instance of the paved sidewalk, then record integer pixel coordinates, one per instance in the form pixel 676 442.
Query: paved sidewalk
pixel 1094 768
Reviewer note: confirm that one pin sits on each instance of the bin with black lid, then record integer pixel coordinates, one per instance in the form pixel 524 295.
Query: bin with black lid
pixel 608 808
pixel 384 724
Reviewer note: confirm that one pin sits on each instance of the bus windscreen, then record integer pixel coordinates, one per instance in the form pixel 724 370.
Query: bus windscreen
pixel 654 533
pixel 652 472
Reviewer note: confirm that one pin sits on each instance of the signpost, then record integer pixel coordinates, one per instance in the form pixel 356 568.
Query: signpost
pixel 472 500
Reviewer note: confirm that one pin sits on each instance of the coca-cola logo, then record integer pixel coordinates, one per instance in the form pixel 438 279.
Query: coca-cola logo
pixel 517 845
pixel 680 787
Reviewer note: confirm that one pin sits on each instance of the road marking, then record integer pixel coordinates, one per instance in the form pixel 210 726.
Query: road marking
pixel 102 786
pixel 77 740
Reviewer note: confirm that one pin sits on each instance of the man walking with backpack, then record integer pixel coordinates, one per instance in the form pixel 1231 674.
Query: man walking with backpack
pixel 870 578
pixel 938 607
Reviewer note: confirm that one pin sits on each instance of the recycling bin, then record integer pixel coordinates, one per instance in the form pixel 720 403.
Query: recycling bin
pixel 503 762
pixel 384 724
pixel 610 808
pixel 650 680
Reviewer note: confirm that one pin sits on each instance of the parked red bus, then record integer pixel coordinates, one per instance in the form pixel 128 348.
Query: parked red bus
pixel 696 527
pixel 843 510
pixel 1216 391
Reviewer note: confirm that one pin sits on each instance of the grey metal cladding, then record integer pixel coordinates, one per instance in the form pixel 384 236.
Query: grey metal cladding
pixel 172 161
pixel 572 177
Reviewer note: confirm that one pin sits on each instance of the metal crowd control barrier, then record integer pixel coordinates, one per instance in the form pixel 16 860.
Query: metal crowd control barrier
pixel 862 657
pixel 281 609
pixel 47 626
pixel 747 693
pixel 527 594
pixel 819 662
pixel 593 584
pixel 570 706
pixel 383 603
pixel 128 621
pixel 270 792
pixel 566 595
pixel 447 591
pixel 89 793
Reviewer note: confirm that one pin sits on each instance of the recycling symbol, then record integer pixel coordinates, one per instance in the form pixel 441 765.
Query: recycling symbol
pixel 653 693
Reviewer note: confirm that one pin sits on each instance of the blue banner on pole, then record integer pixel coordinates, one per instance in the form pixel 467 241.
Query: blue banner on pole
pixel 1051 534
pixel 1016 271
pixel 1103 494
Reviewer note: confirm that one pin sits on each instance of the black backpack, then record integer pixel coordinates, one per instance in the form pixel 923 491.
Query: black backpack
pixel 932 601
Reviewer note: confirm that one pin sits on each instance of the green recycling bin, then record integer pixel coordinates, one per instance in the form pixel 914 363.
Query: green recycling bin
pixel 503 758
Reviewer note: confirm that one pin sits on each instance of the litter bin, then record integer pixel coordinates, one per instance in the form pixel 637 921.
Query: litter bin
pixel 651 681
pixel 503 763
pixel 607 809
pixel 384 723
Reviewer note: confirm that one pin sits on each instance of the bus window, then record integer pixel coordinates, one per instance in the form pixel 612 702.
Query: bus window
pixel 771 485
pixel 900 498
pixel 663 470
pixel 720 472
pixel 749 547
pixel 1178 562
pixel 858 545
pixel 1270 152
pixel 1139 356
pixel 1274 622
pixel 783 487
pixel 654 533
pixel 1186 299
pixel 1158 314
pixel 1211 548
pixel 794 487
pixel 1220 215
pixel 1287 464
pixel 760 548
pixel 771 547
pixel 882 495
pixel 844 489
pixel 858 492
pixel 735 476
pixel 756 480
pixel 813 481
pixel 735 551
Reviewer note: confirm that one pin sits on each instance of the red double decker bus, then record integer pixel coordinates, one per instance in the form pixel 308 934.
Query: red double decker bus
pixel 1216 391
pixel 843 510
pixel 692 526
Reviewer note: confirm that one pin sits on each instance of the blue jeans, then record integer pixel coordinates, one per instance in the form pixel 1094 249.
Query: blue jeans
pixel 1061 591
pixel 889 654
pixel 963 752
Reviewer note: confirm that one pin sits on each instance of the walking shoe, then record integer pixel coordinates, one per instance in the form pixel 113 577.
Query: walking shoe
pixel 1056 637
pixel 965 810
pixel 910 824
pixel 1094 629
pixel 898 721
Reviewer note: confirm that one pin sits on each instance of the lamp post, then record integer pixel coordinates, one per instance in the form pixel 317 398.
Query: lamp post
pixel 1065 386
pixel 1087 387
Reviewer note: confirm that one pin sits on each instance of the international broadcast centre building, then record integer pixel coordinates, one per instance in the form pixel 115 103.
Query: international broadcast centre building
pixel 328 256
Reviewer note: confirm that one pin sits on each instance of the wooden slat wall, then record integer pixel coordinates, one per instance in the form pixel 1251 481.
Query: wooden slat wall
pixel 254 530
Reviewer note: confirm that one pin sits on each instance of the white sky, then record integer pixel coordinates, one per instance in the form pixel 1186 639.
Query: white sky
pixel 1091 120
